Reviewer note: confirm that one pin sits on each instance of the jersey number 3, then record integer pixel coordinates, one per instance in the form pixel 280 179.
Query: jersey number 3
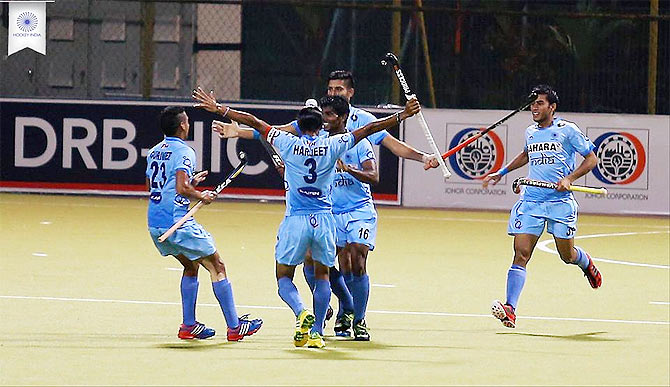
pixel 310 178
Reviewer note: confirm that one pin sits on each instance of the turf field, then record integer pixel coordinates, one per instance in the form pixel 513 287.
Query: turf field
pixel 85 299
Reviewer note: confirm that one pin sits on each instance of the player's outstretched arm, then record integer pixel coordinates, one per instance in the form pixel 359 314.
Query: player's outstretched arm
pixel 411 108
pixel 519 161
pixel 406 151
pixel 208 102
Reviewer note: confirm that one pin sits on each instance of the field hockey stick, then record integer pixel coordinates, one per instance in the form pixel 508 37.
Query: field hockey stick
pixel 274 156
pixel 219 188
pixel 545 184
pixel 531 98
pixel 392 60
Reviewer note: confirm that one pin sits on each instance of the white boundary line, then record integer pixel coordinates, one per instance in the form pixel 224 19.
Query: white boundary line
pixel 436 314
pixel 659 302
pixel 544 246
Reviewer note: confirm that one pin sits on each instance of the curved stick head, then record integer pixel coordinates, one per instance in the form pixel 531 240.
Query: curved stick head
pixel 242 156
pixel 390 59
pixel 516 187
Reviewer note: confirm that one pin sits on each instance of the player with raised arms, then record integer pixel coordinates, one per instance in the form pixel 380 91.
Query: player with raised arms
pixel 550 149
pixel 309 223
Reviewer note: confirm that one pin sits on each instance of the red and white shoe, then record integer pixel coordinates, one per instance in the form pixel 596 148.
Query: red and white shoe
pixel 504 313
pixel 592 274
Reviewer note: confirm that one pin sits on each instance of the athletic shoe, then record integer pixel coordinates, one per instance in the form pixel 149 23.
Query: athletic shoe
pixel 303 324
pixel 246 328
pixel 592 274
pixel 504 313
pixel 315 340
pixel 361 331
pixel 195 331
pixel 343 324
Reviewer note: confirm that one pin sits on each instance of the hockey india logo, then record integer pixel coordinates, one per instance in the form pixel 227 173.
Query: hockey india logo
pixel 621 158
pixel 27 21
pixel 479 158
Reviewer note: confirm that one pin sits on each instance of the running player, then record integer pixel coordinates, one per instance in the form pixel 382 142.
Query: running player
pixel 551 145
pixel 309 223
pixel 171 182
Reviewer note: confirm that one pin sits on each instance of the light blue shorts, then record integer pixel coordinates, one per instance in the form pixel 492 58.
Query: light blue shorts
pixel 357 226
pixel 528 217
pixel 191 240
pixel 297 233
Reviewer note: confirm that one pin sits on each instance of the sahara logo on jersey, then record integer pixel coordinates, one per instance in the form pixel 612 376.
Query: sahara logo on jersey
pixel 621 158
pixel 479 158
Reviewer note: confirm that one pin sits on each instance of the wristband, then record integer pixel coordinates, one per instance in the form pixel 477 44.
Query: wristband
pixel 397 117
pixel 257 135
pixel 226 112
pixel 503 171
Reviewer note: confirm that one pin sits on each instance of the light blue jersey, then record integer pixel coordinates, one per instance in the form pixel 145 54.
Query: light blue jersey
pixel 551 156
pixel 358 118
pixel 310 169
pixel 167 157
pixel 350 193
pixel 166 206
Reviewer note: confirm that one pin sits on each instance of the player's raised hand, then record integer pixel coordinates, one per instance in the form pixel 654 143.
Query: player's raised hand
pixel 205 100
pixel 208 196
pixel 199 177
pixel 493 177
pixel 430 161
pixel 412 107
pixel 225 130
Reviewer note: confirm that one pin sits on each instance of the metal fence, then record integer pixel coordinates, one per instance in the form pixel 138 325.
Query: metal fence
pixel 456 53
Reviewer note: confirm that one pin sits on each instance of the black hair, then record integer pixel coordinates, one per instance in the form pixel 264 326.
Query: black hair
pixel 170 119
pixel 339 104
pixel 310 119
pixel 347 76
pixel 552 97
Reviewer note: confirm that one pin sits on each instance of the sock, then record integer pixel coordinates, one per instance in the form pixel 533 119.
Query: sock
pixel 582 258
pixel 189 294
pixel 360 290
pixel 321 301
pixel 341 291
pixel 516 277
pixel 224 293
pixel 289 293
pixel 308 271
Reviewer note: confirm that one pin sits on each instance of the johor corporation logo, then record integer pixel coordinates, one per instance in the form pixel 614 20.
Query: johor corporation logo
pixel 478 158
pixel 621 158
pixel 27 21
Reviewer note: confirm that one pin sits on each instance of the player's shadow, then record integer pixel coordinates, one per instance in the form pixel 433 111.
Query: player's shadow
pixel 589 336
pixel 192 345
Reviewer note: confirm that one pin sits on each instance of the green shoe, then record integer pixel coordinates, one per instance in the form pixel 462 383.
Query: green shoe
pixel 316 340
pixel 303 324
pixel 343 324
pixel 361 331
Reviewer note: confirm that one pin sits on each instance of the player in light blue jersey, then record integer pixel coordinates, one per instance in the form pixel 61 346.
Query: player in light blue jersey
pixel 550 149
pixel 355 216
pixel 171 181
pixel 309 223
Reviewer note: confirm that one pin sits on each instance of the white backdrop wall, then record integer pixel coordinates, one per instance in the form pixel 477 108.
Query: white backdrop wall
pixel 633 151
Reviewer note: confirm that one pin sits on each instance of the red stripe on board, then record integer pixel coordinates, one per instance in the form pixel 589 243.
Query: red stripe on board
pixel 140 187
